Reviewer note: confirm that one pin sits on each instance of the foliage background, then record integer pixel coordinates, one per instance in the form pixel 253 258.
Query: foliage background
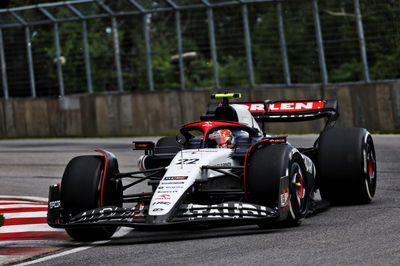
pixel 381 26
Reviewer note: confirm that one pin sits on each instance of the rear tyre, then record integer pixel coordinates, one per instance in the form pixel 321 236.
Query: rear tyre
pixel 264 185
pixel 347 166
pixel 80 191
pixel 167 145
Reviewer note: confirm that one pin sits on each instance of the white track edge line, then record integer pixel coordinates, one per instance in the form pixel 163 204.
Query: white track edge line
pixel 71 251
pixel 125 230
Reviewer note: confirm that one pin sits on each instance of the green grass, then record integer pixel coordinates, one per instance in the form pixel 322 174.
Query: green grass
pixel 1 219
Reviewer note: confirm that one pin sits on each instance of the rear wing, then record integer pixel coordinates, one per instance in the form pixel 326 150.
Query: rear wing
pixel 287 111
pixel 291 111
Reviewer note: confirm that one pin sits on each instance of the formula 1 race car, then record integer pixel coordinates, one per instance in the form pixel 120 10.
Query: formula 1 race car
pixel 221 170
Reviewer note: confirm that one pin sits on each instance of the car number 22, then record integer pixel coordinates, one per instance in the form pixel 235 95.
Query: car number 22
pixel 187 161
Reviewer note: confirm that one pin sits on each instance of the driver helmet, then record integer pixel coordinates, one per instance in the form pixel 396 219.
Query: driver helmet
pixel 224 138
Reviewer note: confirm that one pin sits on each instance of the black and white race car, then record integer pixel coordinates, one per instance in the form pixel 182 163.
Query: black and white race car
pixel 222 169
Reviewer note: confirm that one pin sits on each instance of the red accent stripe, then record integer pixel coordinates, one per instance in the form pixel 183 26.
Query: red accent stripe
pixel 34 236
pixel 15 210
pixel 103 178
pixel 19 221
pixel 27 250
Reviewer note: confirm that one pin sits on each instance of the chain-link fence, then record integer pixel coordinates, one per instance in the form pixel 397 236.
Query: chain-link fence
pixel 88 46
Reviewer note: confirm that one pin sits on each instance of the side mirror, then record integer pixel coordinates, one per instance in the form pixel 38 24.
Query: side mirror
pixel 181 139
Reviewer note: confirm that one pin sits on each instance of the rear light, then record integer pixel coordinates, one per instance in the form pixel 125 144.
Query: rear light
pixel 144 145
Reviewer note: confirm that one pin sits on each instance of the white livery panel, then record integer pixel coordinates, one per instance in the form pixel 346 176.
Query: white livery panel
pixel 183 172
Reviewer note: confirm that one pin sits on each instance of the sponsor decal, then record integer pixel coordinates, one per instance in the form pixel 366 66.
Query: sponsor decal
pixel 285 106
pixel 285 198
pixel 254 107
pixel 163 197
pixel 278 140
pixel 55 204
pixel 112 213
pixel 226 210
pixel 161 203
pixel 158 210
pixel 207 124
pixel 223 164
pixel 172 178
pixel 170 187
pixel 295 106
pixel 168 191
pixel 172 183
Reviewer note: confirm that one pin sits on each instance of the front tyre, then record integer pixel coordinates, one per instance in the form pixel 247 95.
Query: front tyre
pixel 276 178
pixel 81 191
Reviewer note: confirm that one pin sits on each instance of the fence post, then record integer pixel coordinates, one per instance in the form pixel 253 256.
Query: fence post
pixel 146 30
pixel 320 43
pixel 361 40
pixel 180 48
pixel 30 61
pixel 117 53
pixel 282 44
pixel 86 54
pixel 213 46
pixel 58 59
pixel 249 53
pixel 3 67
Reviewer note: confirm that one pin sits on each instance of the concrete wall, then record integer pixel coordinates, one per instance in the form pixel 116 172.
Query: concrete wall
pixel 373 106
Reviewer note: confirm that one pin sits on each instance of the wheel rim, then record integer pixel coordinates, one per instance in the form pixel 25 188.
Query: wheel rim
pixel 298 191
pixel 370 177
pixel 299 185
pixel 371 171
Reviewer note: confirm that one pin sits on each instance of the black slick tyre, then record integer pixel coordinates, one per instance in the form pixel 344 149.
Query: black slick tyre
pixel 264 185
pixel 346 166
pixel 80 191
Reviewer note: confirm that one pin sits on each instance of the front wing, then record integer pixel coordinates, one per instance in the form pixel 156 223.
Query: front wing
pixel 229 212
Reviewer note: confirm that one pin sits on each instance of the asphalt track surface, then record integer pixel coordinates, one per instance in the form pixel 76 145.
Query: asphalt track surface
pixel 345 235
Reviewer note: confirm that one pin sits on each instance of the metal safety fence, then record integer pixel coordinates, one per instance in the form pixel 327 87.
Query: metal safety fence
pixel 89 46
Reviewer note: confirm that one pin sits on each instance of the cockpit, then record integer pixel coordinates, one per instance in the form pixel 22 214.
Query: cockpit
pixel 217 134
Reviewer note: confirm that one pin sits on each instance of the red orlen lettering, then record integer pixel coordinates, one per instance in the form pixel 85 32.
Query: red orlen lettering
pixel 254 107
pixel 295 106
